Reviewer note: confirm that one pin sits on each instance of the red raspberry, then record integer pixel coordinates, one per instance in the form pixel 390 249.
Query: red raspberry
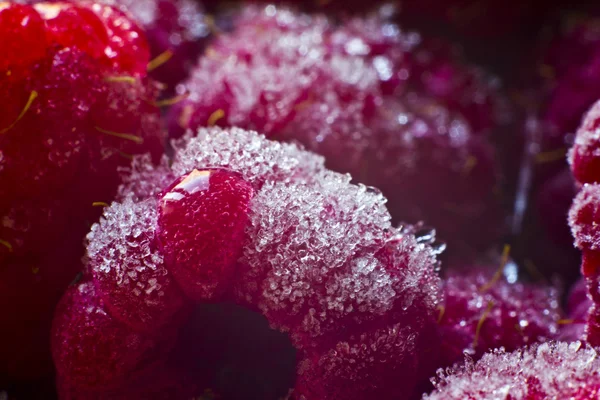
pixel 78 104
pixel 201 221
pixel 545 371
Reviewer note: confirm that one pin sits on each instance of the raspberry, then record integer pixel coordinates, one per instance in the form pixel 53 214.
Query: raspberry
pixel 392 104
pixel 313 253
pixel 481 312
pixel 545 371
pixel 78 104
pixel 91 350
pixel 201 222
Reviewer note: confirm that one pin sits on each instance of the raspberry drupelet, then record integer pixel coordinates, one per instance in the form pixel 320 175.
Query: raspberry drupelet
pixel 76 105
pixel 394 110
pixel 299 244
pixel 554 370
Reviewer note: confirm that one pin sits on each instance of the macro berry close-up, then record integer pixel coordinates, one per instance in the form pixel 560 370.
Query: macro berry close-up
pixel 299 200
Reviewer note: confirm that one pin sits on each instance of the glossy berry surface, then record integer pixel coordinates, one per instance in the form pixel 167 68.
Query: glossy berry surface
pixel 482 311
pixel 550 370
pixel 385 105
pixel 201 222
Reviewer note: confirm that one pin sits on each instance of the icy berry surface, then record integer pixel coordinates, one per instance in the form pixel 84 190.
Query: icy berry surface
pixel 383 104
pixel 482 311
pixel 546 371
pixel 303 246
pixel 202 218
pixel 129 272
pixel 92 350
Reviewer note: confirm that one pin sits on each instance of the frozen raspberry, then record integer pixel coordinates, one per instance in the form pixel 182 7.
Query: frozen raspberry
pixel 545 371
pixel 314 254
pixel 380 103
pixel 483 311
pixel 130 274
pixel 91 350
pixel 201 220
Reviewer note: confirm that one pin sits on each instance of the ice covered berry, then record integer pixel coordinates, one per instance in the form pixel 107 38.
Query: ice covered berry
pixel 202 218
pixel 546 371
pixel 262 224
pixel 390 108
pixel 482 311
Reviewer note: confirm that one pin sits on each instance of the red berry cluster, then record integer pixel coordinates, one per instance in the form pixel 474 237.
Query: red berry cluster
pixel 236 265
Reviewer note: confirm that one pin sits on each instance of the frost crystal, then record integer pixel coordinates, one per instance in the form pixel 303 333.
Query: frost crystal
pixel 248 153
pixel 127 268
pixel 546 371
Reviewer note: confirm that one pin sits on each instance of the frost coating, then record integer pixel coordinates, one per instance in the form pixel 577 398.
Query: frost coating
pixel 583 215
pixel 315 247
pixel 546 371
pixel 320 258
pixel 143 179
pixel 248 153
pixel 127 268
